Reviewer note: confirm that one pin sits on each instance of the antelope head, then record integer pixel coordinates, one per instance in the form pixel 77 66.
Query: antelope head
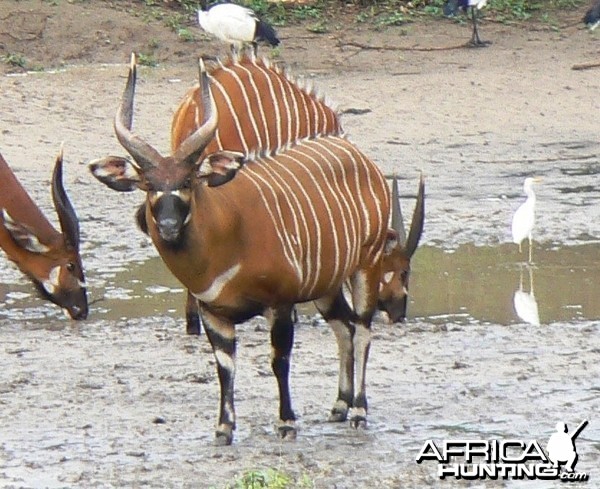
pixel 55 267
pixel 167 181
pixel 393 289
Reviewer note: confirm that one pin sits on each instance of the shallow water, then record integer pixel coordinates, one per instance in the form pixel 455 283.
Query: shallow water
pixel 471 284
pixel 483 284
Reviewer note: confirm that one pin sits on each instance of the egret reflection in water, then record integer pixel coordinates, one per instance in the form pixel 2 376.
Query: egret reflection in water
pixel 525 303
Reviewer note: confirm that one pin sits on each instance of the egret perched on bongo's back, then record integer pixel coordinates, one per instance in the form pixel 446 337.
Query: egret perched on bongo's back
pixel 237 25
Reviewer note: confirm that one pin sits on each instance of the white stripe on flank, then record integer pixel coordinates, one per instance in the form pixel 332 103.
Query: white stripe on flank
pixel 261 109
pixel 214 290
pixel 277 222
pixel 277 111
pixel 306 113
pixel 295 93
pixel 313 251
pixel 218 139
pixel 349 198
pixel 293 188
pixel 266 72
pixel 249 111
pixel 295 248
pixel 296 109
pixel 322 110
pixel 342 144
pixel 344 218
pixel 300 156
pixel 295 162
pixel 324 115
pixel 350 232
pixel 315 113
pixel 283 100
pixel 377 191
pixel 236 120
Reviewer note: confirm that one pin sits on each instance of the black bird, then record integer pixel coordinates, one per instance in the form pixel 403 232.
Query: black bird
pixel 592 16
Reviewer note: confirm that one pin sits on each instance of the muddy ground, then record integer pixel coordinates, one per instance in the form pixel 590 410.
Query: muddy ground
pixel 125 399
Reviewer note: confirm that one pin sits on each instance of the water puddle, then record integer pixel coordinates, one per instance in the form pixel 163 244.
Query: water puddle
pixel 492 284
pixel 143 289
pixel 472 284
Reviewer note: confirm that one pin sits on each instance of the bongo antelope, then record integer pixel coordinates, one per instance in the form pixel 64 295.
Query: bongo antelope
pixel 393 289
pixel 256 234
pixel 248 120
pixel 48 257
pixel 261 107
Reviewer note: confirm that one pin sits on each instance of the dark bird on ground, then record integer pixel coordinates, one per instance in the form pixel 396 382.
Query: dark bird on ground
pixel 451 7
pixel 236 25
pixel 592 16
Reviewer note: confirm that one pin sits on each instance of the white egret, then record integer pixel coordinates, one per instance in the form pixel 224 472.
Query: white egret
pixel 524 218
pixel 236 25
pixel 451 7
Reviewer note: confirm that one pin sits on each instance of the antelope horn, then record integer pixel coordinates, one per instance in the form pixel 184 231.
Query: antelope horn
pixel 69 224
pixel 397 220
pixel 190 150
pixel 418 220
pixel 143 154
pixel 205 94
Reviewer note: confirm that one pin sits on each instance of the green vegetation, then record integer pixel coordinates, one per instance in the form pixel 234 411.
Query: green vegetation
pixel 397 12
pixel 392 18
pixel 146 60
pixel 186 5
pixel 153 44
pixel 321 15
pixel 176 23
pixel 17 60
pixel 270 479
pixel 55 3
pixel 14 59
